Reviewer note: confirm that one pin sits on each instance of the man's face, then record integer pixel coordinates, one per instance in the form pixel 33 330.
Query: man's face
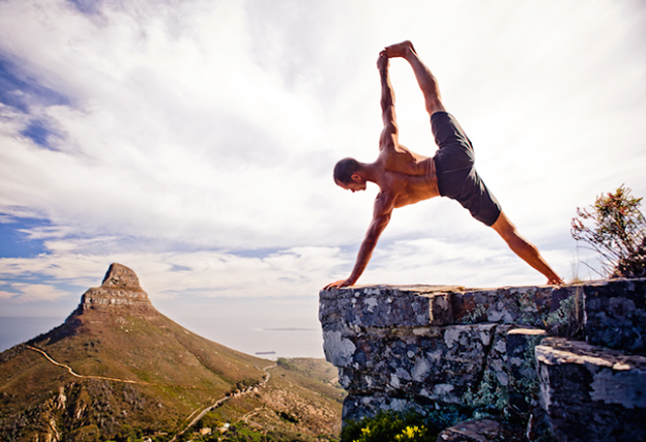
pixel 356 185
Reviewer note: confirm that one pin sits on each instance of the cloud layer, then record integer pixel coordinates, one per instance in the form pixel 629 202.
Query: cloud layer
pixel 194 141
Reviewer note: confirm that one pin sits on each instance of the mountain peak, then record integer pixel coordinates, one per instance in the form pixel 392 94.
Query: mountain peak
pixel 121 277
pixel 120 287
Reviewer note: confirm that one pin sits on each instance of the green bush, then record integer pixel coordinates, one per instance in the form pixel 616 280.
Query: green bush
pixel 615 227
pixel 390 427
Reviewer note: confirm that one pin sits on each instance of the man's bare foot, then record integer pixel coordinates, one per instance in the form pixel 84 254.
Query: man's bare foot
pixel 400 49
pixel 555 281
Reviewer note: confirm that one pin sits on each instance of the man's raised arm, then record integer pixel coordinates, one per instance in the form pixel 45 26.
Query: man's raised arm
pixel 380 218
pixel 388 139
pixel 392 155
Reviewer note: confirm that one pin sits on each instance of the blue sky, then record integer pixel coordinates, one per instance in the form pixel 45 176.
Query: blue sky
pixel 194 142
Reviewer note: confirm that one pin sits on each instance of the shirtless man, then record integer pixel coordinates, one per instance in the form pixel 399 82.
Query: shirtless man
pixel 405 177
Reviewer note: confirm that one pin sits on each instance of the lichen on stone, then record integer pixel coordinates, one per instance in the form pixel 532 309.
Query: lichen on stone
pixel 475 315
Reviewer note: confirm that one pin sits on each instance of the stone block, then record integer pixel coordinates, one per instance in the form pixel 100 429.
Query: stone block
pixel 386 306
pixel 462 365
pixel 592 394
pixel 429 361
pixel 616 314
pixel 543 307
pixel 485 430
pixel 419 306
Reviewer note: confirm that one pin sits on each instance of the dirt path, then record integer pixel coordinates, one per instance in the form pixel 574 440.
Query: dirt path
pixel 50 359
pixel 104 378
pixel 201 411
pixel 222 400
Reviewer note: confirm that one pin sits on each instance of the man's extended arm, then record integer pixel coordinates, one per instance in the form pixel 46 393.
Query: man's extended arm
pixel 388 138
pixel 381 217
pixel 392 155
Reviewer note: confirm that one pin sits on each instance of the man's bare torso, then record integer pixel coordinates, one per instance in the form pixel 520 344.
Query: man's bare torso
pixel 408 177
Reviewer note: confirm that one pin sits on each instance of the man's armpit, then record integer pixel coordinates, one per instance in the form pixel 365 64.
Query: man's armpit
pixel 384 205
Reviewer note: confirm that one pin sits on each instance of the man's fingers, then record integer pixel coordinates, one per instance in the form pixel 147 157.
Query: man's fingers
pixel 330 285
pixel 336 284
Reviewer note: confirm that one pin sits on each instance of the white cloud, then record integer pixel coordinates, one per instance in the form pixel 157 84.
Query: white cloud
pixel 23 293
pixel 290 272
pixel 201 136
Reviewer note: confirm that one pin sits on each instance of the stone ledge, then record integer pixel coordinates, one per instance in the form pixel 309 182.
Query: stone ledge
pixel 604 388
pixel 385 306
pixel 450 351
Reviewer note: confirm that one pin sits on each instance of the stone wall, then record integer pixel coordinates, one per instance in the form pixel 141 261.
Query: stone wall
pixel 457 354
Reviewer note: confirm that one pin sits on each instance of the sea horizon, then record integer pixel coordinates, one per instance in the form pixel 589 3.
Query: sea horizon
pixel 257 338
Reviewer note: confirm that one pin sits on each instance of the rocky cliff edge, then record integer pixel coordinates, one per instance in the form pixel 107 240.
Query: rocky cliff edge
pixel 515 363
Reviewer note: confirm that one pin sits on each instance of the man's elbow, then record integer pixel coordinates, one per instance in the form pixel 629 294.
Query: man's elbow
pixel 390 131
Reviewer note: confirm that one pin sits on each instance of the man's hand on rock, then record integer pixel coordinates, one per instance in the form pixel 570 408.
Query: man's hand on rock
pixel 338 284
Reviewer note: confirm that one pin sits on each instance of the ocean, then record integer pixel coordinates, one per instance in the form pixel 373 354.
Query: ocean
pixel 264 339
pixel 16 330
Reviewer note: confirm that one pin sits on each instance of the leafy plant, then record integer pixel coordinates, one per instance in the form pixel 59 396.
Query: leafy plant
pixel 390 426
pixel 615 228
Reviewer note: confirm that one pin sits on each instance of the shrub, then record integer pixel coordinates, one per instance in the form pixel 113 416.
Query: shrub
pixel 390 426
pixel 615 228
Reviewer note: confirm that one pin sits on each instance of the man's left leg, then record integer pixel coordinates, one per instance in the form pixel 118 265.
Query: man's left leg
pixel 425 79
pixel 524 249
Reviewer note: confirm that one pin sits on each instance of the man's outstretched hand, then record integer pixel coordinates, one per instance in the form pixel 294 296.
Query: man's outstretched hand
pixel 338 284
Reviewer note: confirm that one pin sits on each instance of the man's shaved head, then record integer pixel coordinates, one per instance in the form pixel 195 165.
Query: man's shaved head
pixel 344 169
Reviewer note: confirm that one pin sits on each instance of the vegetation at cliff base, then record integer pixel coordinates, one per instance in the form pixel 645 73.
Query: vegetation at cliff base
pixel 390 426
pixel 615 228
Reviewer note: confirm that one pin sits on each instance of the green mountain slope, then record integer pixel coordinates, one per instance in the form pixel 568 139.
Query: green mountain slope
pixel 119 369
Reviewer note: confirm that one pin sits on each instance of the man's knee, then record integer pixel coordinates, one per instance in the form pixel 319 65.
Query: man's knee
pixel 433 104
pixel 507 230
pixel 504 227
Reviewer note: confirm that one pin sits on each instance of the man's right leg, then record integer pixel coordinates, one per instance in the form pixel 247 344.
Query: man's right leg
pixel 425 79
pixel 527 251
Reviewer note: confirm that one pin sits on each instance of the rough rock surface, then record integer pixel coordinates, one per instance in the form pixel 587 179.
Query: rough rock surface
pixel 120 287
pixel 616 315
pixel 121 277
pixel 485 430
pixel 605 389
pixel 408 347
pixel 456 354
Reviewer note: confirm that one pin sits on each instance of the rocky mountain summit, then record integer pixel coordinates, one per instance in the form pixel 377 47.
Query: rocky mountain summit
pixel 120 286
pixel 510 364
pixel 121 277
pixel 119 370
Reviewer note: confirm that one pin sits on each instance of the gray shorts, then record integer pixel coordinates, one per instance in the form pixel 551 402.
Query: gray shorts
pixel 456 174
